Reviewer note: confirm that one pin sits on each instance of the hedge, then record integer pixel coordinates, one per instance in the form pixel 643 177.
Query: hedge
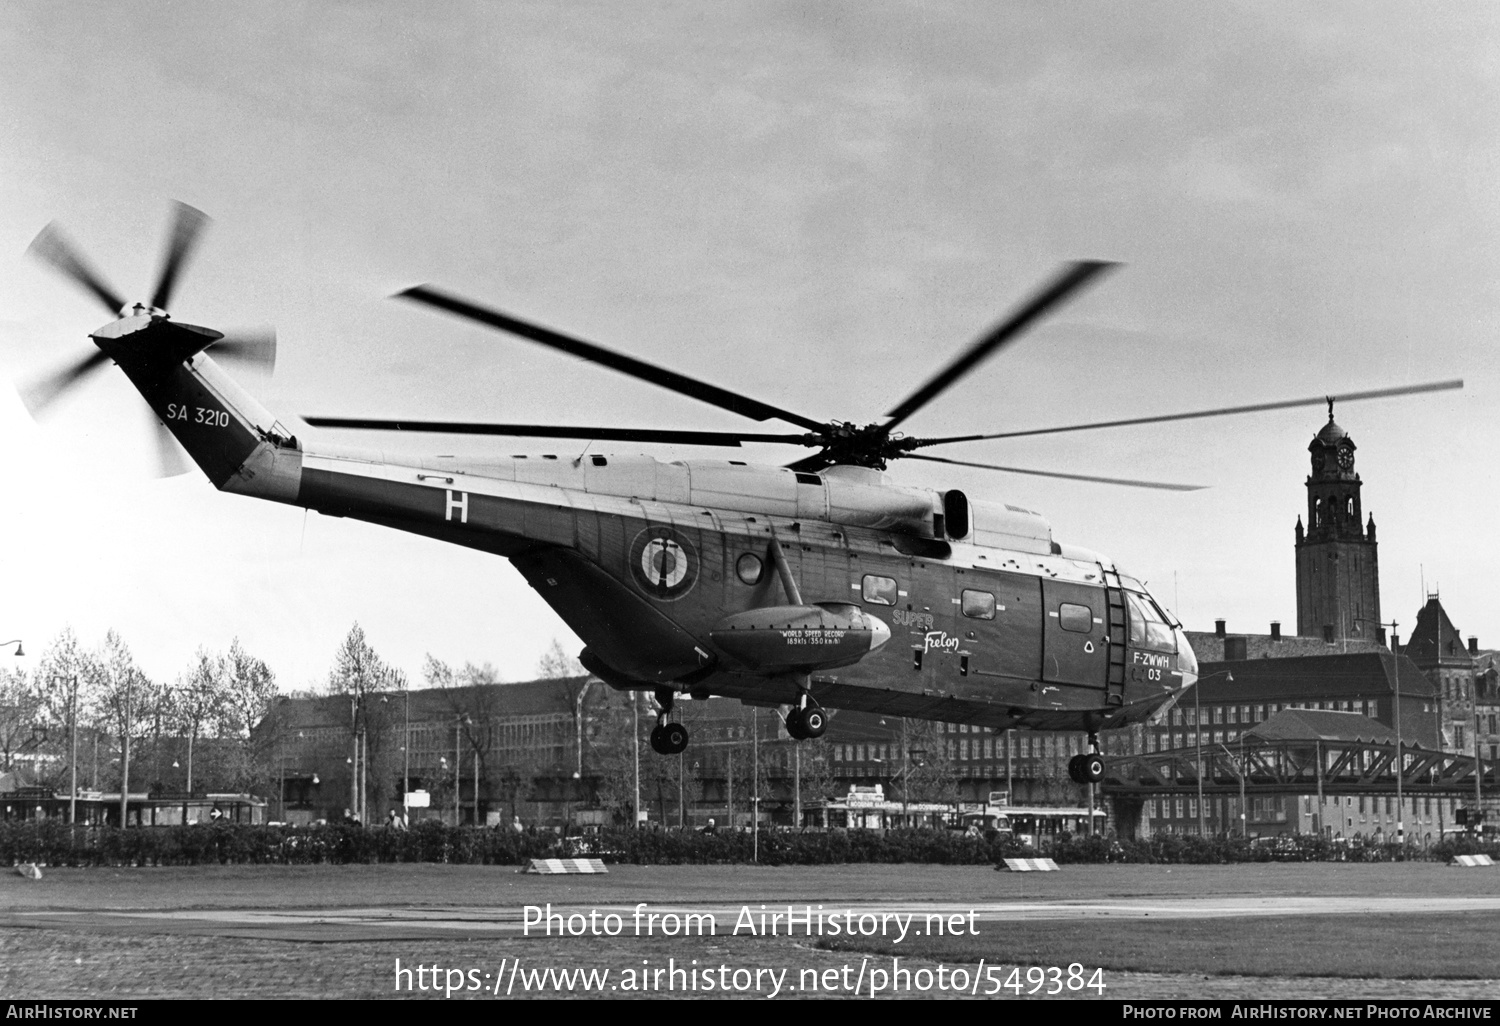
pixel 54 843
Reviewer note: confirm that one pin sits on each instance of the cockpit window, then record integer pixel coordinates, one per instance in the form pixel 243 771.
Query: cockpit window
pixel 1148 628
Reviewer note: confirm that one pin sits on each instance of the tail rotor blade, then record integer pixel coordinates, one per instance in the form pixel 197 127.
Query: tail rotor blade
pixel 250 350
pixel 54 247
pixel 39 395
pixel 187 225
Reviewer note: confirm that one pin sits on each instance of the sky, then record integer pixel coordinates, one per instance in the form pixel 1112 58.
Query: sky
pixel 818 204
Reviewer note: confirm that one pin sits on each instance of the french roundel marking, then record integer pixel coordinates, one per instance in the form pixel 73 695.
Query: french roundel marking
pixel 663 563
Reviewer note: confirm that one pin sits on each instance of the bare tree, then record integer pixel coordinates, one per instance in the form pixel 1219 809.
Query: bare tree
pixel 361 675
pixel 196 702
pixel 575 681
pixel 124 701
pixel 21 728
pixel 64 682
pixel 616 736
pixel 248 686
pixel 929 772
pixel 477 706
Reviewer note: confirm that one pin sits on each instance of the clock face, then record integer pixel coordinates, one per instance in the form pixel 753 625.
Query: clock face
pixel 1346 458
pixel 1317 461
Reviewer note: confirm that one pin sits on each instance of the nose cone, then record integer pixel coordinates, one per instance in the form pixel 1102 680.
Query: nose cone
pixel 879 632
pixel 1187 660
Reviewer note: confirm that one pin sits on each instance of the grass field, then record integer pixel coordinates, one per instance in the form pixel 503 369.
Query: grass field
pixel 1295 954
pixel 1398 947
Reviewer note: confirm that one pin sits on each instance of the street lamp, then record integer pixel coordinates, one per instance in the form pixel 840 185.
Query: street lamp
pixel 16 642
pixel 459 719
pixel 1396 717
pixel 1239 769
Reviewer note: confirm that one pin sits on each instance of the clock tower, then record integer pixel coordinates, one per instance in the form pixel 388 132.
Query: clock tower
pixel 1338 577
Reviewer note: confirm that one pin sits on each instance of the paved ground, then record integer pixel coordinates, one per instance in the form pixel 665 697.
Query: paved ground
pixel 331 931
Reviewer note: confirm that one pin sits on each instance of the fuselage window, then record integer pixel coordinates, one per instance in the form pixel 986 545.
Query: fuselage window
pixel 749 568
pixel 1076 618
pixel 978 605
pixel 880 590
pixel 1148 628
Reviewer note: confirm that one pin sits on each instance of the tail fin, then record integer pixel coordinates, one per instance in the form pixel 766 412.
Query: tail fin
pixel 232 438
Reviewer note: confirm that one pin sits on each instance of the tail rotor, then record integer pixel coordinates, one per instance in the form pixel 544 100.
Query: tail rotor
pixel 142 325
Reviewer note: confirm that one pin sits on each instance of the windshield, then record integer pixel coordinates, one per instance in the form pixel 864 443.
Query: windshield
pixel 1148 627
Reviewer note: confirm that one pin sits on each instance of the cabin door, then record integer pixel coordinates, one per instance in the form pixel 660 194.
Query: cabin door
pixel 1075 633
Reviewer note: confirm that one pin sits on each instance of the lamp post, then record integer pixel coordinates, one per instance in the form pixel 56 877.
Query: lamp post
pixel 459 720
pixel 353 760
pixel 635 740
pixel 406 757
pixel 16 642
pixel 1239 769
pixel 1396 718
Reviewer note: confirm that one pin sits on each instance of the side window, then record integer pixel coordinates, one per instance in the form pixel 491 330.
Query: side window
pixel 1076 618
pixel 749 568
pixel 880 590
pixel 978 605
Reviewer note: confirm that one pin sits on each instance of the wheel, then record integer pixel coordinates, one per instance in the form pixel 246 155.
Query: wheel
pixel 674 738
pixel 659 740
pixel 1075 770
pixel 814 721
pixel 794 725
pixel 1092 768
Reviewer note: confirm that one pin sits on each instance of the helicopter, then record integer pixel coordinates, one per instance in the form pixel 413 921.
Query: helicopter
pixel 822 584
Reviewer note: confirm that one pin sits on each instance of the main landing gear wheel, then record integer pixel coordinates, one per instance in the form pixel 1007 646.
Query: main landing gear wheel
pixel 669 738
pixel 814 722
pixel 1086 769
pixel 807 724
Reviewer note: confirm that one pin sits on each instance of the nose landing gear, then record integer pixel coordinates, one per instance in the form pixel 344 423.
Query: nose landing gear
pixel 667 738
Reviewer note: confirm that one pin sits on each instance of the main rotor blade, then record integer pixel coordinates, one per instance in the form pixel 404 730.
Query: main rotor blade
pixel 40 394
pixel 187 224
pixel 669 436
pixel 700 390
pixel 53 246
pixel 1072 278
pixel 247 349
pixel 1222 411
pixel 1067 477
